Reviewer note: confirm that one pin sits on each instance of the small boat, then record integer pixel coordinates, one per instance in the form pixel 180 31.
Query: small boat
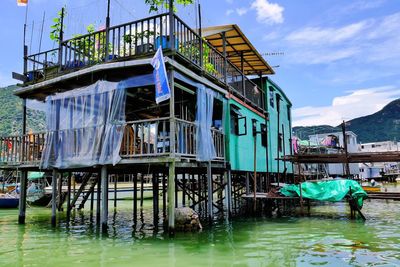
pixel 8 201
pixel 368 188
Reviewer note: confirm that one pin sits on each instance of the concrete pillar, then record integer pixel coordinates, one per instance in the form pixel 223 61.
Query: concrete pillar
pixel 171 198
pixel 104 198
pixel 54 198
pixel 22 197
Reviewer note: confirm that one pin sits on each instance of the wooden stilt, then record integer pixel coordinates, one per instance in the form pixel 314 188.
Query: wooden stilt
pixel 229 193
pixel 98 201
pixel 210 192
pixel 176 190
pixel 183 190
pixel 155 199
pixel 59 191
pixel 115 190
pixel 171 198
pixel 22 197
pixel 141 190
pixel 104 182
pixel 69 196
pixel 135 198
pixel 164 196
pixel 247 183
pixel 54 198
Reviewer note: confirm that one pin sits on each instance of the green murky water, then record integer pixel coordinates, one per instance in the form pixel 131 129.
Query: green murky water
pixel 326 238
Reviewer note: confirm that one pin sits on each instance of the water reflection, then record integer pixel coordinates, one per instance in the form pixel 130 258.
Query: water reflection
pixel 326 238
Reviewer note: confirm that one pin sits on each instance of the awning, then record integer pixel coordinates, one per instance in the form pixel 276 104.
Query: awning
pixel 237 46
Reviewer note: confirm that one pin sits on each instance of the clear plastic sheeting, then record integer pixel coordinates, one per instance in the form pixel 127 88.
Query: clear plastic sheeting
pixel 205 102
pixel 85 126
pixel 205 145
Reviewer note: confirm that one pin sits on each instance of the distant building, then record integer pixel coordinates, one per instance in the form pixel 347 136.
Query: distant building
pixel 375 170
pixel 334 143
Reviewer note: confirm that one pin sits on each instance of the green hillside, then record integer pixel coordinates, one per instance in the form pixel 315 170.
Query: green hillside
pixel 11 114
pixel 383 125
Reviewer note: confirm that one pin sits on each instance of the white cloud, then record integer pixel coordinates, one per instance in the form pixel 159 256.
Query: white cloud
pixel 356 104
pixel 317 35
pixel 229 12
pixel 364 42
pixel 268 13
pixel 241 11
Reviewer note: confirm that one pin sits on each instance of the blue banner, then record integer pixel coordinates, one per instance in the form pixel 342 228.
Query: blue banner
pixel 163 91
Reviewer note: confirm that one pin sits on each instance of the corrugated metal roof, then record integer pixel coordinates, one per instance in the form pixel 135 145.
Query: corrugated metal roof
pixel 237 45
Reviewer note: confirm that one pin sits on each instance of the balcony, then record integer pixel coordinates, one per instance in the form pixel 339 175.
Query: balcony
pixel 141 139
pixel 140 39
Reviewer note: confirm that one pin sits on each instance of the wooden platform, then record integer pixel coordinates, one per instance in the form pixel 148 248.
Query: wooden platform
pixel 265 196
pixel 341 158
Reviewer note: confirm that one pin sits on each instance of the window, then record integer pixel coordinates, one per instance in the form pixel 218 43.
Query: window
pixel 271 97
pixel 238 121
pixel 288 112
pixel 362 147
pixel 264 135
pixel 280 142
pixel 278 98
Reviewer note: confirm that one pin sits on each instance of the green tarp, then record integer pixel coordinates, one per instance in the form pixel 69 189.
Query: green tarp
pixel 333 191
pixel 35 175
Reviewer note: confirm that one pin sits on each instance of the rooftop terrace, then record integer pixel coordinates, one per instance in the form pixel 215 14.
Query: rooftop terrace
pixel 222 54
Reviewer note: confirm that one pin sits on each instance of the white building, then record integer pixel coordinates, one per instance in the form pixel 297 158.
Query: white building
pixel 334 144
pixel 375 170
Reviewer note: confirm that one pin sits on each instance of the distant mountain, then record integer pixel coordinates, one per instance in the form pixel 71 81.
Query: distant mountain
pixel 383 125
pixel 11 114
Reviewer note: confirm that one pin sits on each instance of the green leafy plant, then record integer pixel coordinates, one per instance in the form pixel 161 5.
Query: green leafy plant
pixel 56 27
pixel 156 4
pixel 191 50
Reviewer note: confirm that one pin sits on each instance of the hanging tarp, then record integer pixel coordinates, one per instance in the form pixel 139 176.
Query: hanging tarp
pixel 204 115
pixel 204 118
pixel 334 190
pixel 85 126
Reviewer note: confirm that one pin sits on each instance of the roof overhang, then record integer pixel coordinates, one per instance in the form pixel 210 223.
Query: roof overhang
pixel 238 48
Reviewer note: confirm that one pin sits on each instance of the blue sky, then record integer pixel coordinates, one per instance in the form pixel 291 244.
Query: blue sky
pixel 341 58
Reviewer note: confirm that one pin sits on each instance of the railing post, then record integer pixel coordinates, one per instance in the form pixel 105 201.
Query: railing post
pixel 201 40
pixel 171 26
pixel 225 59
pixel 242 72
pixel 107 43
pixel 60 39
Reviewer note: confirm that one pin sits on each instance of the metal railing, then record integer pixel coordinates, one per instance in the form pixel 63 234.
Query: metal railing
pixel 186 142
pixel 21 149
pixel 142 38
pixel 146 138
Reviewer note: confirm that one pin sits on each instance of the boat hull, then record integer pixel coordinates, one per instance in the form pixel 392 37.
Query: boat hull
pixel 9 203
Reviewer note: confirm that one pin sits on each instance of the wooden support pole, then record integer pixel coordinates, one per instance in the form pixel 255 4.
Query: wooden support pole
pixel 115 190
pixel 247 183
pixel 141 190
pixel 53 198
pixel 183 190
pixel 104 182
pixel 171 198
pixel 229 192
pixel 176 190
pixel 69 196
pixel 135 198
pixel 164 200
pixel 22 197
pixel 98 201
pixel 210 192
pixel 301 200
pixel 155 199
pixel 59 194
